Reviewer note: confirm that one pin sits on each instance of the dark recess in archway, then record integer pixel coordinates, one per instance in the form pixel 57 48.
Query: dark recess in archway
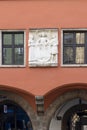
pixel 13 117
pixel 75 117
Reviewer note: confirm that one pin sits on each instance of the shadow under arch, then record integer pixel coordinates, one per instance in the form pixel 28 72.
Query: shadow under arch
pixel 13 116
pixel 75 117
pixel 8 95
pixel 53 94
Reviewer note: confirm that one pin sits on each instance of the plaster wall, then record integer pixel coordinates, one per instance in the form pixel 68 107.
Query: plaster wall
pixel 27 14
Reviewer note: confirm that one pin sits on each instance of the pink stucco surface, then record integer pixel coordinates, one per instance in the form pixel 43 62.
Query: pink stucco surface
pixel 27 14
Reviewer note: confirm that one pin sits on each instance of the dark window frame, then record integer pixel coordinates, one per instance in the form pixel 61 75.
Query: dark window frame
pixel 13 46
pixel 74 45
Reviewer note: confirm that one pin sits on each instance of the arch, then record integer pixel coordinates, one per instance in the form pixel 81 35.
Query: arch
pixel 23 103
pixel 25 94
pixel 52 95
pixel 65 97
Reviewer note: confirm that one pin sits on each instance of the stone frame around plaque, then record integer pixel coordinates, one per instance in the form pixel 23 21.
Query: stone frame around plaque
pixel 43 47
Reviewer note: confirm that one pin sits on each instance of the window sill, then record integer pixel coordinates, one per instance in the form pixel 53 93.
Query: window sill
pixel 74 65
pixel 12 66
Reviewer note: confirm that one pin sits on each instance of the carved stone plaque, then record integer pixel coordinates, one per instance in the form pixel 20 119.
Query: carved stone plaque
pixel 43 47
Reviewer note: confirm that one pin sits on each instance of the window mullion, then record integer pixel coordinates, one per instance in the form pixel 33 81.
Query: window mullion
pixel 85 48
pixel 2 50
pixel 13 48
pixel 74 48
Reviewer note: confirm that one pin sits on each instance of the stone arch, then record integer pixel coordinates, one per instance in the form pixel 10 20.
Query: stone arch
pixel 66 97
pixel 24 104
pixel 56 92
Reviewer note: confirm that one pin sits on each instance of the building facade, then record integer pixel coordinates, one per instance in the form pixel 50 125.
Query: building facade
pixel 43 65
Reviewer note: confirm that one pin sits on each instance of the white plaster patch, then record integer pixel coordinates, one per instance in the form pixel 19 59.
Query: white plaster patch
pixel 43 47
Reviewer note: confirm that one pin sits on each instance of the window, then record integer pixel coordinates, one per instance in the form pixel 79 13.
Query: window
pixel 13 48
pixel 74 47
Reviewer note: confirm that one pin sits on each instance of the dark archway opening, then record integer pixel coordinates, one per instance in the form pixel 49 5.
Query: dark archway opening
pixel 75 118
pixel 13 117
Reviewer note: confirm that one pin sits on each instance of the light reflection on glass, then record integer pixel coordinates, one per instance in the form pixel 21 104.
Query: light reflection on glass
pixel 80 55
pixel 80 38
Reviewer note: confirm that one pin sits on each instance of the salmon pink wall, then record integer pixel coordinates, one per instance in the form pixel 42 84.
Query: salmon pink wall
pixel 26 14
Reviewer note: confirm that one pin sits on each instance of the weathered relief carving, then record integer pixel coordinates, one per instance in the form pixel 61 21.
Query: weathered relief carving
pixel 43 49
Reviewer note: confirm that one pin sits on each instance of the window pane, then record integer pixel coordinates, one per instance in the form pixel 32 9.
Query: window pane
pixel 80 55
pixel 7 39
pixel 68 38
pixel 19 39
pixel 80 38
pixel 19 56
pixel 68 55
pixel 7 56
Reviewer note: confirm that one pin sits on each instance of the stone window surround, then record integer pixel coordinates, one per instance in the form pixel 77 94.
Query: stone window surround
pixel 70 65
pixel 1 48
